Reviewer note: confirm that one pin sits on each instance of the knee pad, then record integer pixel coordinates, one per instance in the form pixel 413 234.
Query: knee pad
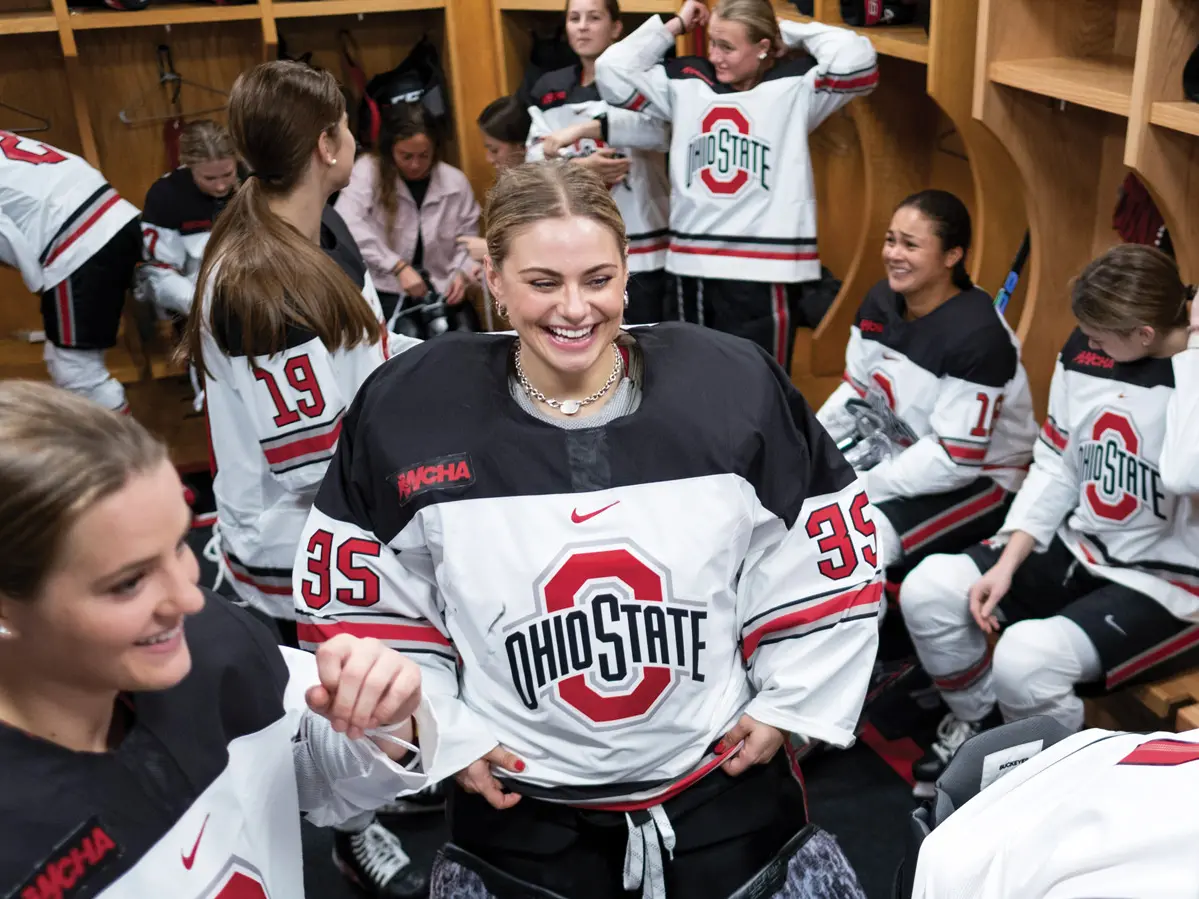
pixel 810 865
pixel 937 591
pixel 1036 660
pixel 458 874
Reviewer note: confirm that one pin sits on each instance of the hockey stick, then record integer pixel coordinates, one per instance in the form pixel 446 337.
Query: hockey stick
pixel 1013 277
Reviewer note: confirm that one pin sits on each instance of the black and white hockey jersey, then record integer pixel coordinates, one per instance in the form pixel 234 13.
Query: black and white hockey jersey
pixel 176 223
pixel 743 202
pixel 953 378
pixel 1100 813
pixel 1097 480
pixel 56 211
pixel 273 428
pixel 643 197
pixel 604 602
pixel 200 799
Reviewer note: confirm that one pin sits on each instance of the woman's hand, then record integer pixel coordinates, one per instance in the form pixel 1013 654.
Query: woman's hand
pixel 476 246
pixel 455 293
pixel 611 168
pixel 690 14
pixel 411 282
pixel 761 743
pixel 363 685
pixel 985 594
pixel 554 143
pixel 477 777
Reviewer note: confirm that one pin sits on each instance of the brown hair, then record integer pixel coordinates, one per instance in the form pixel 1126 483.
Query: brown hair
pixel 1130 286
pixel 266 275
pixel 397 123
pixel 526 194
pixel 612 6
pixel 205 141
pixel 506 119
pixel 60 454
pixel 758 16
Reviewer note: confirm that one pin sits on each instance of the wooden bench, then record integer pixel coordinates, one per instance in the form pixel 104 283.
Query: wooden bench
pixel 1170 704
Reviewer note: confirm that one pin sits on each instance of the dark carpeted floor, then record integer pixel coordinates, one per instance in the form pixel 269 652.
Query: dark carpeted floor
pixel 854 794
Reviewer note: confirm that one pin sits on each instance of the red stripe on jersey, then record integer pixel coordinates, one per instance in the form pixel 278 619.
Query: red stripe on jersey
pixel 836 82
pixel 1162 752
pixel 859 389
pixel 963 679
pixel 260 586
pixel 743 254
pixel 834 606
pixel 82 229
pixel 1053 435
pixel 650 248
pixel 381 630
pixel 1189 588
pixel 964 452
pixel 637 103
pixel 673 790
pixel 303 446
pixel 951 519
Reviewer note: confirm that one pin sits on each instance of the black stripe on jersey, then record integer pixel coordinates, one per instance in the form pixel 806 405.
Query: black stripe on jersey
pixel 738 238
pixel 646 235
pixel 72 219
pixel 1078 356
pixel 175 747
pixel 699 68
pixel 1150 566
pixel 963 338
pixel 712 404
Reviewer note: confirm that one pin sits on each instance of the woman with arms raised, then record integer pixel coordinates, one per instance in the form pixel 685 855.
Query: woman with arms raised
pixel 680 570
pixel 155 740
pixel 742 201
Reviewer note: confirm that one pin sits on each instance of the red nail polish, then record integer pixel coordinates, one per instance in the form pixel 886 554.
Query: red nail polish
pixel 519 766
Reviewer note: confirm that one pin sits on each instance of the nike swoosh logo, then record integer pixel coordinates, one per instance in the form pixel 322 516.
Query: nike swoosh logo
pixel 579 519
pixel 189 860
pixel 1111 619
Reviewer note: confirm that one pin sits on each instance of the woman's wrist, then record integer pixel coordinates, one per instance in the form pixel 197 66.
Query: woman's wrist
pixel 400 266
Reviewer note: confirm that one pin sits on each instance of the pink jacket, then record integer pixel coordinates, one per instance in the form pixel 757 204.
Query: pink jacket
pixel 449 212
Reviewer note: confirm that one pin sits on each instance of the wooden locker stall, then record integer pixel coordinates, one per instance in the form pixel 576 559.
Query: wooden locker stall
pixel 914 131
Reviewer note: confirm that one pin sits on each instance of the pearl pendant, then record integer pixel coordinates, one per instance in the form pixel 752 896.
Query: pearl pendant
pixel 570 407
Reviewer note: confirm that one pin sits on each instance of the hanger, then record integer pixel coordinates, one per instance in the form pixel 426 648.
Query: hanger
pixel 173 82
pixel 43 124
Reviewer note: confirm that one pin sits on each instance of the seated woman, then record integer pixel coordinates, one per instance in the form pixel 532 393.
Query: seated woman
pixel 504 125
pixel 681 570
pixel 407 209
pixel 1093 574
pixel 180 209
pixel 143 721
pixel 626 149
pixel 935 406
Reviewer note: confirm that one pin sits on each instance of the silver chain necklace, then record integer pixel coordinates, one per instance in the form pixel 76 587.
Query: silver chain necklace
pixel 569 407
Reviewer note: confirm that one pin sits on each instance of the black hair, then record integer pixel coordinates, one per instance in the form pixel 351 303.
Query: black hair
pixel 505 119
pixel 951 224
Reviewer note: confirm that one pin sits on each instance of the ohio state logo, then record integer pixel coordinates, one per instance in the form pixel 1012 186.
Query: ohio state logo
pixel 725 156
pixel 609 642
pixel 1117 481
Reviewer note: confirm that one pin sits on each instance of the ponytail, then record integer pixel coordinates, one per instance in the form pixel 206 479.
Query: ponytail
pixel 263 275
pixel 960 277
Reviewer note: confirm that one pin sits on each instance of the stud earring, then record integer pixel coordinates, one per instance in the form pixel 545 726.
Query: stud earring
pixel 761 56
pixel 626 298
pixel 4 631
pixel 501 310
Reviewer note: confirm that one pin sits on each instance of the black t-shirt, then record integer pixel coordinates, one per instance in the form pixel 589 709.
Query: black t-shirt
pixel 418 189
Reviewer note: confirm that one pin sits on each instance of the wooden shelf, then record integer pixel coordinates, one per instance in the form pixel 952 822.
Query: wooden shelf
pixel 173 14
pixel 1099 82
pixel 1177 116
pixel 662 7
pixel 298 9
pixel 27 22
pixel 901 41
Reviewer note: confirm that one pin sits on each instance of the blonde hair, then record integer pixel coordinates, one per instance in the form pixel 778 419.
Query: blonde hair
pixel 530 193
pixel 60 454
pixel 271 277
pixel 1128 287
pixel 758 16
pixel 205 141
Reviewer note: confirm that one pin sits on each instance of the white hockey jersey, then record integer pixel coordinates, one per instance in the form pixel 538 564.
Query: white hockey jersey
pixel 56 211
pixel 1099 814
pixel 605 602
pixel 743 202
pixel 1179 462
pixel 273 429
pixel 953 378
pixel 200 799
pixel 1096 479
pixel 176 224
pixel 644 196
